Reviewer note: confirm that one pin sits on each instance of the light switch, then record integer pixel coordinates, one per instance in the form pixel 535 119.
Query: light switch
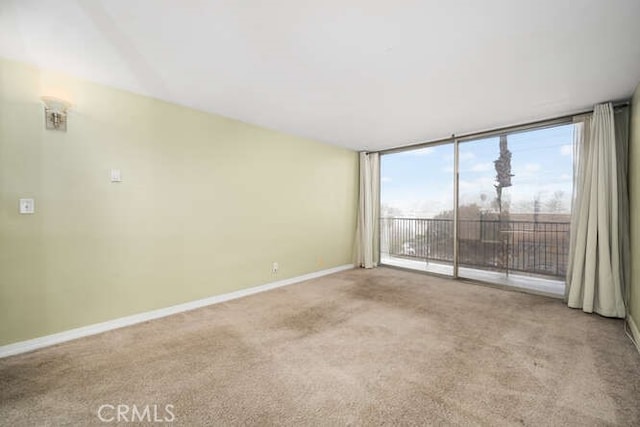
pixel 27 206
pixel 116 176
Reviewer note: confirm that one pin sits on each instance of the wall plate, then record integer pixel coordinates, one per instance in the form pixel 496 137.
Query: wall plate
pixel 27 206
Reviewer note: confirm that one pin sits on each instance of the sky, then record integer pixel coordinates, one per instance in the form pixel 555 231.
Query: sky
pixel 419 183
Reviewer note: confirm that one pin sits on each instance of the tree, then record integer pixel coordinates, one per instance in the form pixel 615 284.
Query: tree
pixel 387 211
pixel 470 211
pixel 503 171
pixel 556 203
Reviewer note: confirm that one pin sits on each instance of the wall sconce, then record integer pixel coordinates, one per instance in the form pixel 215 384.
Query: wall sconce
pixel 55 113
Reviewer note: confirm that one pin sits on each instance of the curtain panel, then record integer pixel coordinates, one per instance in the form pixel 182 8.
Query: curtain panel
pixel 366 247
pixel 600 215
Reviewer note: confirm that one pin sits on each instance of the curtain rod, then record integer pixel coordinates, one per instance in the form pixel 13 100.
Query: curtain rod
pixel 514 128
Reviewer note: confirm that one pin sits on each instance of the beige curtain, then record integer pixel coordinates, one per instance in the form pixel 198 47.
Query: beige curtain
pixel 621 117
pixel 366 247
pixel 595 277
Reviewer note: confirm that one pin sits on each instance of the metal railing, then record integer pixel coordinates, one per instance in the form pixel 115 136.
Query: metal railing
pixel 538 248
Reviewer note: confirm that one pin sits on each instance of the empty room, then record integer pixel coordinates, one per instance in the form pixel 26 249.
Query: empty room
pixel 319 213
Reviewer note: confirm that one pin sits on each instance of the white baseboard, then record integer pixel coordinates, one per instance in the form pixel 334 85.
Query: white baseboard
pixel 635 333
pixel 72 334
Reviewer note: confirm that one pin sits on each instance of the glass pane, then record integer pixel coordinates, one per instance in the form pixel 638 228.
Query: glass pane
pixel 515 205
pixel 416 194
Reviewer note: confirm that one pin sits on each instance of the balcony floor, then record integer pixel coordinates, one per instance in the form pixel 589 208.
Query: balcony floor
pixel 549 287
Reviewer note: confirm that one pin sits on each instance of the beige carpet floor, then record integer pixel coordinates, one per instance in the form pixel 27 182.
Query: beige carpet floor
pixel 362 347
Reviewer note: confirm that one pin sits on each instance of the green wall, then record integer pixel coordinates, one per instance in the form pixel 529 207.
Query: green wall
pixel 634 196
pixel 205 206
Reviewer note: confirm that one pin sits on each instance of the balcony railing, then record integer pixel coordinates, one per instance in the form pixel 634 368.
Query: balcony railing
pixel 531 247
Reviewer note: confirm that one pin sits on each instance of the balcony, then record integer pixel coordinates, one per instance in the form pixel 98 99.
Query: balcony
pixel 528 254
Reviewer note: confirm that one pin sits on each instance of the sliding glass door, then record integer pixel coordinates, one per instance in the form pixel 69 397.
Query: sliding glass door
pixel 416 194
pixel 513 208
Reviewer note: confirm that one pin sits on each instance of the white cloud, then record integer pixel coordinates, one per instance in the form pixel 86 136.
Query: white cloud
pixel 566 150
pixel 420 152
pixel 423 151
pixel 532 167
pixel 385 179
pixel 477 186
pixel 466 155
pixel 476 167
pixel 481 167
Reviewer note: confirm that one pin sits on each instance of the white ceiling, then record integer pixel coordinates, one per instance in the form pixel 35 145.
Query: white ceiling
pixel 363 74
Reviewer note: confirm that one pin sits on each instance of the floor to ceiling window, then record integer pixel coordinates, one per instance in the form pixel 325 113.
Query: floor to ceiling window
pixel 417 202
pixel 513 208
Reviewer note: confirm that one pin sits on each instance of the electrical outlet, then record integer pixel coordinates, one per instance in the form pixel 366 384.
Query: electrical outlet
pixel 116 175
pixel 274 268
pixel 27 206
